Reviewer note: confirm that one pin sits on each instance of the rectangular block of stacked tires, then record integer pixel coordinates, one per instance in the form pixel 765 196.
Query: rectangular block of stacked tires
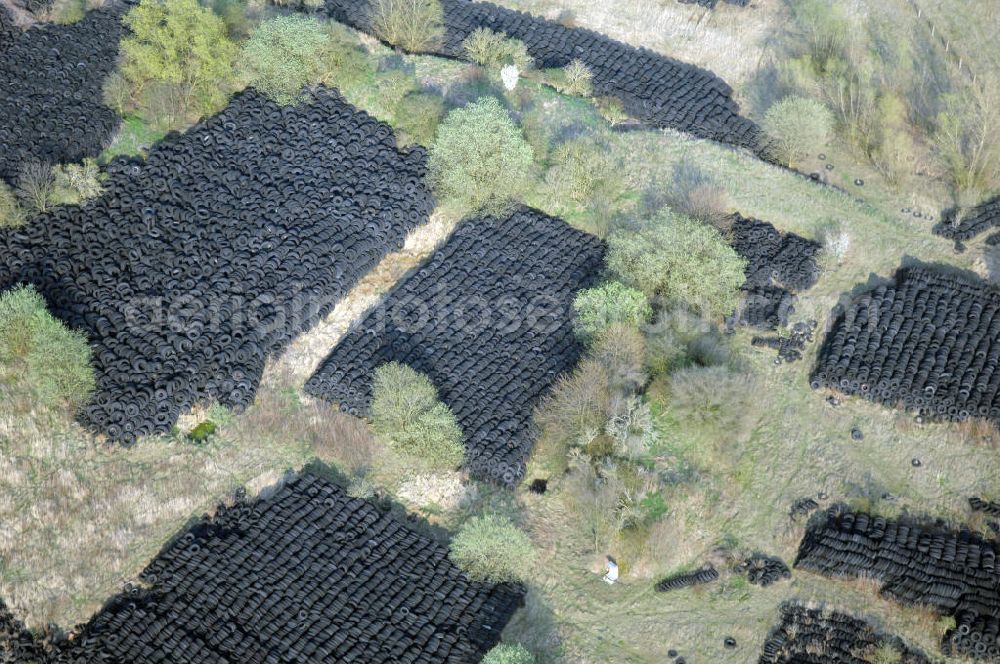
pixel 822 636
pixel 656 89
pixel 953 572
pixel 51 78
pixel 487 318
pixel 305 575
pixel 930 340
pixel 211 255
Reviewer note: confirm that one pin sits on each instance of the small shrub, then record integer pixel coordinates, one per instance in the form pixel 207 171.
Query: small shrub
pixel 572 414
pixel 621 350
pixel 582 169
pixel 886 653
pixel 494 50
pixel 480 158
pixel 599 308
pixel 417 118
pixel 612 109
pixel 40 353
pixel 10 212
pixel 491 548
pixel 75 183
pixel 632 428
pixel 681 260
pixel 416 26
pixel 693 192
pixel 800 127
pixel 407 414
pixel 836 243
pixel 282 55
pixel 182 43
pixel 715 397
pixel 577 79
pixel 678 339
pixel 118 93
pixel 202 433
pixel 509 653
pixel 35 184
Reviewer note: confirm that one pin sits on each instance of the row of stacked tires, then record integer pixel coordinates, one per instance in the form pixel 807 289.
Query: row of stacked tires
pixel 17 644
pixel 955 573
pixel 686 580
pixel 778 265
pixel 305 575
pixel 488 319
pixel 52 76
pixel 979 219
pixel 974 635
pixel 930 340
pixel 658 90
pixel 229 240
pixel 990 507
pixel 821 636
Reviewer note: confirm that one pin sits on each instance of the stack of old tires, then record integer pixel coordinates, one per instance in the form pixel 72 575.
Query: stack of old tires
pixel 305 575
pixel 52 77
pixel 658 90
pixel 9 33
pixel 217 250
pixel 778 264
pixel 989 507
pixel 974 635
pixel 979 219
pixel 38 7
pixel 930 341
pixel 17 644
pixel 487 319
pixel 953 572
pixel 686 580
pixel 764 570
pixel 821 636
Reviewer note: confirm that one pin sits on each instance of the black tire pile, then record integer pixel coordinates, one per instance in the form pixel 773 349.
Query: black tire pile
pixel 778 265
pixel 658 90
pixel 821 636
pixel 228 241
pixel 974 635
pixel 979 219
pixel 955 573
pixel 17 644
pixel 764 570
pixel 977 504
pixel 488 320
pixel 9 32
pixel 305 575
pixel 35 6
pixel 51 109
pixel 929 341
pixel 678 581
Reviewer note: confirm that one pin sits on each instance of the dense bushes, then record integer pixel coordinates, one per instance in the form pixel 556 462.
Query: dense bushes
pixel 39 353
pixel 679 259
pixel 407 414
pixel 282 55
pixel 507 653
pixel 491 548
pixel 480 158
pixel 965 136
pixel 417 118
pixel 413 25
pixel 801 127
pixel 494 50
pixel 75 183
pixel 178 54
pixel 609 304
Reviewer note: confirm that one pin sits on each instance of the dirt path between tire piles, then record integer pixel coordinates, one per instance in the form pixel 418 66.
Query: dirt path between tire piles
pixel 305 354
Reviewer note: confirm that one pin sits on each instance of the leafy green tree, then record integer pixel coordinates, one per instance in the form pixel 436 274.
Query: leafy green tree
pixel 417 117
pixel 181 43
pixel 39 353
pixel 480 158
pixel 681 260
pixel 491 548
pixel 509 653
pixel 406 413
pixel 599 308
pixel 494 50
pixel 282 55
pixel 800 126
